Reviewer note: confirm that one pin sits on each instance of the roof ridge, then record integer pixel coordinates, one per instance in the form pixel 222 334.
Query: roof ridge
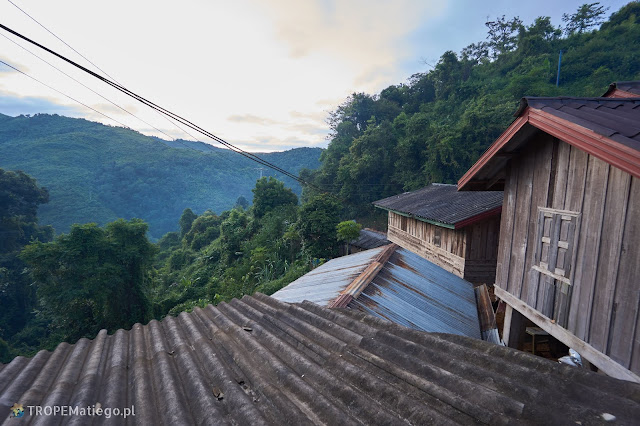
pixel 524 101
pixel 353 290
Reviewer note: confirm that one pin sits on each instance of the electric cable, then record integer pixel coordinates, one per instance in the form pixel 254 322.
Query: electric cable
pixel 164 111
pixel 103 71
pixel 85 86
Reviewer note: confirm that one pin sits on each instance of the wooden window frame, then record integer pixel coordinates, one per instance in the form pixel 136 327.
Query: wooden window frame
pixel 554 241
pixel 437 237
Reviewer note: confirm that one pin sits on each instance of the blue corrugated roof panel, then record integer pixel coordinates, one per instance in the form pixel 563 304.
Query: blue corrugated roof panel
pixel 413 292
pixel 409 290
pixel 324 284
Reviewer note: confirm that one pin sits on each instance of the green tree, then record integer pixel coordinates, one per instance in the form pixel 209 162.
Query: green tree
pixel 347 231
pixel 317 226
pixel 186 220
pixel 503 34
pixel 587 17
pixel 204 230
pixel 20 197
pixel 368 166
pixel 242 203
pixel 93 277
pixel 5 355
pixel 270 193
pixel 233 231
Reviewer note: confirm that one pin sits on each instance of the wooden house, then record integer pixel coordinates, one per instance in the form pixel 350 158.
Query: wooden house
pixel 457 231
pixel 569 251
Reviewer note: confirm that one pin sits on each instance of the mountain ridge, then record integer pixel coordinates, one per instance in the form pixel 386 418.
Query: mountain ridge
pixel 98 173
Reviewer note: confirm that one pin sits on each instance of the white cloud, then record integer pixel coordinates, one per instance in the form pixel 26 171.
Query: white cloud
pixel 261 73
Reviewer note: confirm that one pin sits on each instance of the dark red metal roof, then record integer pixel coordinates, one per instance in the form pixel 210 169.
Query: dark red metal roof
pixel 443 204
pixel 607 128
pixel 623 89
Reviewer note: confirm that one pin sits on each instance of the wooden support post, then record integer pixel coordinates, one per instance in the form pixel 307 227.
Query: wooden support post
pixel 514 328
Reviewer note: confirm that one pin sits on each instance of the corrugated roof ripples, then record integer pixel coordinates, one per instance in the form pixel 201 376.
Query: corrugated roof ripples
pixel 260 361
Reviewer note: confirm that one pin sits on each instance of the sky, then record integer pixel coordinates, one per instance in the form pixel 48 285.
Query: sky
pixel 261 74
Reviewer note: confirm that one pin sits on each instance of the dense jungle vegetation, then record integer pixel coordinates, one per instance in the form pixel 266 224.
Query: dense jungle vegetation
pixel 435 126
pixel 62 288
pixel 431 129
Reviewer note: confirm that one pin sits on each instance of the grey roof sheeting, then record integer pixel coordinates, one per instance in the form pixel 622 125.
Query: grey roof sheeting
pixel 629 86
pixel 409 290
pixel 259 361
pixel 443 203
pixel 369 239
pixel 607 128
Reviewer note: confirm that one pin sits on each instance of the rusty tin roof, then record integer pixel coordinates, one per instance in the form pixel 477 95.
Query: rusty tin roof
pixel 324 284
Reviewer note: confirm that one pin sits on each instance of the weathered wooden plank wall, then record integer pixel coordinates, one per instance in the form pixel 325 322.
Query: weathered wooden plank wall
pixel 626 300
pixel 420 237
pixel 470 253
pixel 482 251
pixel 605 277
pixel 506 227
pixel 543 169
pixel 524 167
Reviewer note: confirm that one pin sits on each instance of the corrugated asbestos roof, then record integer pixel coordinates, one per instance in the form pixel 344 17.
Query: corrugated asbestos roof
pixel 369 239
pixel 443 203
pixel 259 361
pixel 409 290
pixel 324 284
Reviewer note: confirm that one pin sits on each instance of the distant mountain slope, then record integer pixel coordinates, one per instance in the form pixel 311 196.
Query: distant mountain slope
pixel 98 173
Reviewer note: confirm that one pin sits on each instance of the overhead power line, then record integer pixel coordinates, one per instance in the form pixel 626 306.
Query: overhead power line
pixel 162 110
pixel 103 71
pixel 65 43
pixel 84 85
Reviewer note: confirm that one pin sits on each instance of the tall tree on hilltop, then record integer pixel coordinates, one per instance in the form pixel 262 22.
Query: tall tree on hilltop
pixel 503 34
pixel 587 17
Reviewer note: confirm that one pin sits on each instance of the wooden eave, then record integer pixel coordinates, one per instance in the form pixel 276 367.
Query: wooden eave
pixel 608 150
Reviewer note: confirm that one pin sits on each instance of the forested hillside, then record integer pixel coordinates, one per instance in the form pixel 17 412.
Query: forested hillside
pixel 98 173
pixel 92 278
pixel 434 127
